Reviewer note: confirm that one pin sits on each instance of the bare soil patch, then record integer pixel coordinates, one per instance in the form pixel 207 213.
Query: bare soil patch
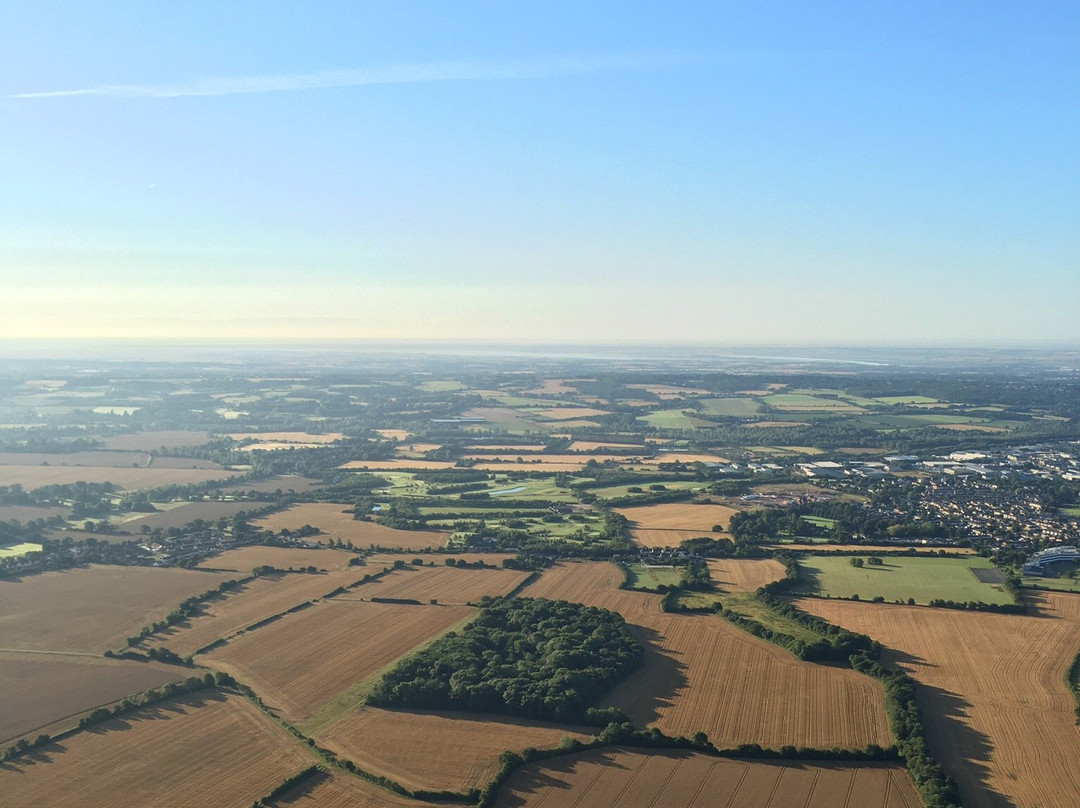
pixel 45 689
pixel 91 610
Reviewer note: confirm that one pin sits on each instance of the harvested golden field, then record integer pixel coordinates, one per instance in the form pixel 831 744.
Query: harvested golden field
pixel 683 457
pixel 43 689
pixel 395 464
pixel 999 715
pixel 666 538
pixel 435 751
pixel 201 750
pixel 570 413
pixel 342 791
pixel 245 559
pixel 531 460
pixel 678 516
pixel 287 482
pixel 665 391
pixel 146 441
pixel 744 574
pixel 449 585
pixel 393 434
pixel 254 601
pixel 505 447
pixel 271 446
pixel 31 477
pixel 304 660
pixel 661 778
pixel 93 609
pixel 336 522
pixel 28 513
pixel 703 674
pixel 554 387
pixel 102 459
pixel 286 437
pixel 378 561
pixel 410 448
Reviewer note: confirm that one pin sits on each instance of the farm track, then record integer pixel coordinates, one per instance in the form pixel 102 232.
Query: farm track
pixel 703 674
pixel 999 715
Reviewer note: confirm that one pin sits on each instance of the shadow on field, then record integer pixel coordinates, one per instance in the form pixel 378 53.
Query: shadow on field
pixel 553 773
pixel 961 750
pixel 661 671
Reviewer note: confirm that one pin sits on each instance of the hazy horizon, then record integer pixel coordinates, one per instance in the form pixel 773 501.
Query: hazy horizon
pixel 778 174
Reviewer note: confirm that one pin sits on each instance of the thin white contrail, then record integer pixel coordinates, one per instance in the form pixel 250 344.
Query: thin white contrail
pixel 391 74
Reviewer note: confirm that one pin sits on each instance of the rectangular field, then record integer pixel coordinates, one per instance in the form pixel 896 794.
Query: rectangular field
pixel 638 779
pixel 436 751
pixel 245 559
pixel 31 477
pixel 93 609
pixel 744 574
pixel 342 791
pixel 703 674
pixel 256 600
pixel 148 441
pixel 336 521
pixel 187 512
pixel 998 713
pixel 447 585
pixel 204 749
pixel 900 578
pixel 304 660
pixel 678 516
pixel 43 689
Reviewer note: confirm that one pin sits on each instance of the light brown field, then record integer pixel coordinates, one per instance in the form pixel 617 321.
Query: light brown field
pixel 971 428
pixel 377 561
pixel 396 463
pixel 245 559
pixel 394 434
pixel 94 609
pixel 552 387
pixel 505 447
pixel 668 391
pixel 31 477
pixel 744 574
pixel 269 446
pixel 305 659
pixel 102 459
pixel 682 457
pixel 703 674
pixel 448 585
pixel 287 437
pixel 435 751
pixel 571 413
pixel 342 791
pixel 676 516
pixel 254 601
pixel 418 448
pixel 287 482
pixel 666 538
pixel 43 689
pixel 28 513
pixel 337 523
pixel 204 749
pixel 998 714
pixel 659 778
pixel 146 441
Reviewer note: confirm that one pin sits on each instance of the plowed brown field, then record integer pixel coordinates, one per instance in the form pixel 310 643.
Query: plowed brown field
pixel 999 715
pixel 337 522
pixel 660 779
pixel 42 689
pixel 445 584
pixel 703 674
pixel 31 477
pixel 305 659
pixel 254 601
pixel 93 609
pixel 201 750
pixel 744 574
pixel 435 751
pixel 342 791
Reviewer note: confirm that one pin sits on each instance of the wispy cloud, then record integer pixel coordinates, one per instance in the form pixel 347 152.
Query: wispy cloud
pixel 390 74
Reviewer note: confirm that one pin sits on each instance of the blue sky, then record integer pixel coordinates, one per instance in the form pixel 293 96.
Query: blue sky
pixel 853 173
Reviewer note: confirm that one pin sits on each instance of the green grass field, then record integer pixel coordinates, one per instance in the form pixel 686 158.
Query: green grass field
pixel 890 400
pixel 1053 584
pixel 624 490
pixel 748 606
pixel 652 578
pixel 900 578
pixel 819 521
pixel 673 419
pixel 794 402
pixel 1071 511
pixel 12 550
